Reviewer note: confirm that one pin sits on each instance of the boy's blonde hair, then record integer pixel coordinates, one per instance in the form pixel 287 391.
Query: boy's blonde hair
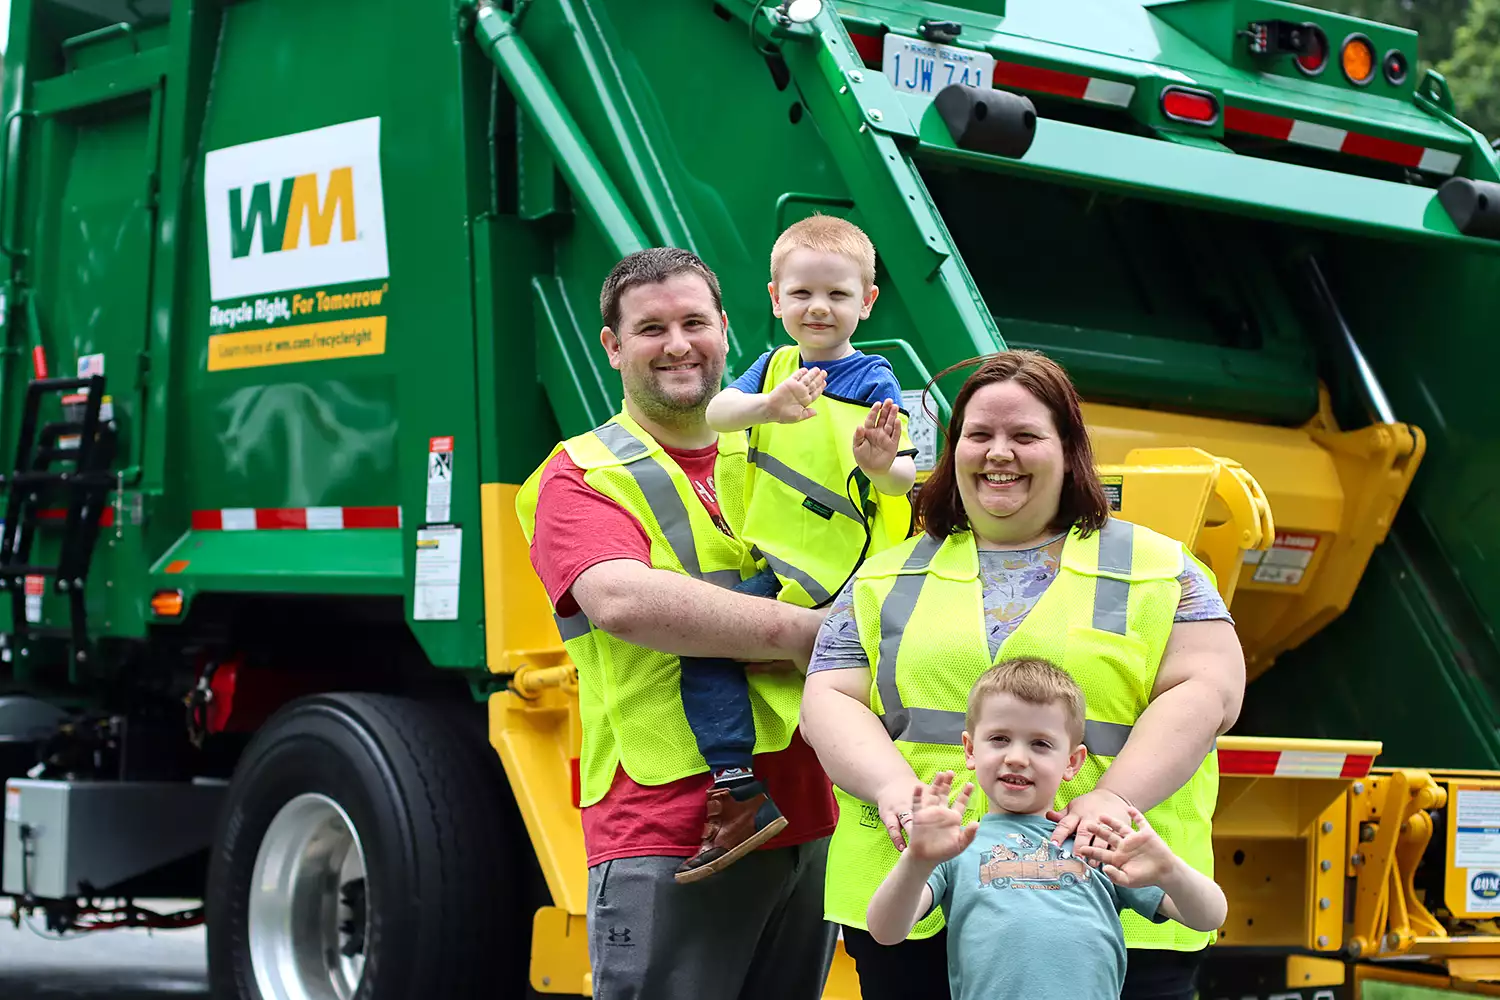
pixel 1034 681
pixel 826 234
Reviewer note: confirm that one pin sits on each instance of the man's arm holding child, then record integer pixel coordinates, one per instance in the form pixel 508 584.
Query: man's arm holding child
pixel 593 556
pixel 677 614
pixel 1138 858
pixel 788 403
pixel 938 834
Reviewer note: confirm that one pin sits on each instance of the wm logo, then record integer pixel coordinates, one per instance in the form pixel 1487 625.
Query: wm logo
pixel 281 226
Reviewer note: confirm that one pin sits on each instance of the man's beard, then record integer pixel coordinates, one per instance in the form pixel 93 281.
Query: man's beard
pixel 663 408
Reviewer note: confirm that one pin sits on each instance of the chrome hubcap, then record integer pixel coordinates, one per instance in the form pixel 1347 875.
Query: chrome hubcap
pixel 308 908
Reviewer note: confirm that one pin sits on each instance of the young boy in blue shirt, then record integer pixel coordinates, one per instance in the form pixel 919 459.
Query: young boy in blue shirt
pixel 830 472
pixel 1006 939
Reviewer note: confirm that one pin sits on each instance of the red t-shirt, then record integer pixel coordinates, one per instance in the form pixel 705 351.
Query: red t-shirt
pixel 577 527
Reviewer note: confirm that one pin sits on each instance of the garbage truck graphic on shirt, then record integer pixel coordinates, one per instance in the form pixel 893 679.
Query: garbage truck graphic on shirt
pixel 1013 884
pixel 1044 866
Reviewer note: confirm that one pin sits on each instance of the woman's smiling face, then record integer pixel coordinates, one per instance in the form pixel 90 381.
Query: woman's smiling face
pixel 1010 465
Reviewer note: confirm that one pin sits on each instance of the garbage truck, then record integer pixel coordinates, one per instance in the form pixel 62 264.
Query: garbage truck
pixel 298 292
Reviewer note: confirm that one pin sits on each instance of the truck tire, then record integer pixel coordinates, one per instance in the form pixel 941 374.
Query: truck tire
pixel 363 852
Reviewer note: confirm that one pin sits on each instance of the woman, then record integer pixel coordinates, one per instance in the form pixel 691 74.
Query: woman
pixel 1019 556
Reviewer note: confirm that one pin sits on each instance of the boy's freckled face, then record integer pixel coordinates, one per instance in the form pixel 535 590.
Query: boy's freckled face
pixel 820 299
pixel 1020 753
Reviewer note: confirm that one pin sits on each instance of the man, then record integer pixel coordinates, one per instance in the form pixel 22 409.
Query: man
pixel 632 531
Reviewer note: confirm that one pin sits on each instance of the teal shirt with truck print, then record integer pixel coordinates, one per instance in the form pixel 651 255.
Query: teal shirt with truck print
pixel 1026 919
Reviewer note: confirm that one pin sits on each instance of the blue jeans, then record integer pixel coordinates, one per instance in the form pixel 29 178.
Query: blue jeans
pixel 716 696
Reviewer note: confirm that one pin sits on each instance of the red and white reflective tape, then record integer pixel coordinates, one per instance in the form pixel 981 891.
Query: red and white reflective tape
pixel 1093 89
pixel 1337 140
pixel 1294 763
pixel 295 518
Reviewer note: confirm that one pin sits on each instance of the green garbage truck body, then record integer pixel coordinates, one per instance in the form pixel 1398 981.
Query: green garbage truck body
pixel 297 292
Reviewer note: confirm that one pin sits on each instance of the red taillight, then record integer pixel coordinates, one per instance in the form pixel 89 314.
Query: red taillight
pixel 1313 61
pixel 1189 106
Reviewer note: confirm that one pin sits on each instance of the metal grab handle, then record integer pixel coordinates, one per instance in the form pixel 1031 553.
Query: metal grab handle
pixel 109 30
pixel 5 182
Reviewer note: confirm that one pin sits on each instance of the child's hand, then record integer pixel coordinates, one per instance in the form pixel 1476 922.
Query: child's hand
pixel 1132 858
pixel 790 402
pixel 877 439
pixel 937 830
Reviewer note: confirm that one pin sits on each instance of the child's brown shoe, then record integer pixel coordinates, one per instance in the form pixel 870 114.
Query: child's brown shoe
pixel 740 819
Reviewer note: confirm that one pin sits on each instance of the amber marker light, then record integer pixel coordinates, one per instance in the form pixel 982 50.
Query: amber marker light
pixel 1358 60
pixel 166 603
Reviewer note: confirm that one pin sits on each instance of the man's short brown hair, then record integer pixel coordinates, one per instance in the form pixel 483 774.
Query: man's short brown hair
pixel 651 267
pixel 826 234
pixel 1034 681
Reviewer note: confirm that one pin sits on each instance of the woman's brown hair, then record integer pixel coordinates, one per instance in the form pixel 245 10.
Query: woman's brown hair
pixel 939 509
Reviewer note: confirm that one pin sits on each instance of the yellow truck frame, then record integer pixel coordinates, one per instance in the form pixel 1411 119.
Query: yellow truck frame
pixel 1318 850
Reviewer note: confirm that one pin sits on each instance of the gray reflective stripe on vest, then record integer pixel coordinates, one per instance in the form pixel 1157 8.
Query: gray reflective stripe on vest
pixel 661 496
pixel 1106 739
pixel 574 626
pixel 785 569
pixel 1116 553
pixel 895 614
pixel 726 578
pixel 932 725
pixel 780 471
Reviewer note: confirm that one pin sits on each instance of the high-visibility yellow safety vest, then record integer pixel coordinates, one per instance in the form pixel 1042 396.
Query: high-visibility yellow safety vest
pixel 629 697
pixel 1105 619
pixel 809 510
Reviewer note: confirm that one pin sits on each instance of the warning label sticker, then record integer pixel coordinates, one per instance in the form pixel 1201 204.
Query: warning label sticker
pixel 1286 562
pixel 922 430
pixel 439 552
pixel 1114 490
pixel 35 587
pixel 440 479
pixel 1476 847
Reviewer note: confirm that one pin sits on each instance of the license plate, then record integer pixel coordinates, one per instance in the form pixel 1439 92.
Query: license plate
pixel 920 67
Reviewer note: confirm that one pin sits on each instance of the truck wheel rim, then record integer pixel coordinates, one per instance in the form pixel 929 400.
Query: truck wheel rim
pixel 308 904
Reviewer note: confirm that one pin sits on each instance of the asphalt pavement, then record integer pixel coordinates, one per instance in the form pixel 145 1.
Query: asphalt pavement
pixel 103 965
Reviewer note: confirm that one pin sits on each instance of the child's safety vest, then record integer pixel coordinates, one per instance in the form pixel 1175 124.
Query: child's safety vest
pixel 809 510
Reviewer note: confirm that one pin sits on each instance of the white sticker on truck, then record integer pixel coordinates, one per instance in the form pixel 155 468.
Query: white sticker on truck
pixel 1287 560
pixel 439 552
pixel 440 479
pixel 296 211
pixel 1476 836
pixel 921 428
pixel 35 587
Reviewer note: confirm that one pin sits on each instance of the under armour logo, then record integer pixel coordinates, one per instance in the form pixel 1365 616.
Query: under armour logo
pixel 619 936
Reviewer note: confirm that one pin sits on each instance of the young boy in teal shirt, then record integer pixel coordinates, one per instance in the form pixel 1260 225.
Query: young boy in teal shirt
pixel 1027 918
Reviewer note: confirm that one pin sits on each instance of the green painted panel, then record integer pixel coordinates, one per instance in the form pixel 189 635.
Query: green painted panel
pixel 313 443
pixel 346 421
pixel 1174 172
pixel 295 562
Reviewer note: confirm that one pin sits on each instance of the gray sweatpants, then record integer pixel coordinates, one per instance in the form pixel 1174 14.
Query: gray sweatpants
pixel 753 931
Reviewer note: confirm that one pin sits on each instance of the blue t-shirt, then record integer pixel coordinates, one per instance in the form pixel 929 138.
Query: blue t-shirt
pixel 1027 919
pixel 862 378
